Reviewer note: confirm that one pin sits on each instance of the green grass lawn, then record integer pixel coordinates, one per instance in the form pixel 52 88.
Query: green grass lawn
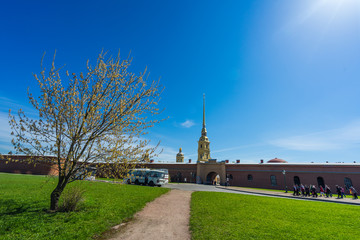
pixel 235 216
pixel 24 200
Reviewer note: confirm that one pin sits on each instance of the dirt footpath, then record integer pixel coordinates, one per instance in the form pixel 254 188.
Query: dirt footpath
pixel 167 217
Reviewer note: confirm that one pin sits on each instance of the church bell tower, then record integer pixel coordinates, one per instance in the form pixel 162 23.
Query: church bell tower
pixel 180 156
pixel 203 143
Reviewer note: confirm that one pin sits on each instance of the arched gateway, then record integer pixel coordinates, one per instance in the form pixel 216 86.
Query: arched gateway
pixel 213 178
pixel 207 172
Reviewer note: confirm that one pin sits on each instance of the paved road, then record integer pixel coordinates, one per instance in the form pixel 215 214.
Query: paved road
pixel 207 188
pixel 195 187
pixel 258 192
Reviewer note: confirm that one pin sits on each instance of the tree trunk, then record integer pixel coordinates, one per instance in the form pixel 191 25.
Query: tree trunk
pixel 55 196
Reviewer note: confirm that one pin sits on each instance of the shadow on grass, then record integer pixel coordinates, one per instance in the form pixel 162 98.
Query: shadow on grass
pixel 12 207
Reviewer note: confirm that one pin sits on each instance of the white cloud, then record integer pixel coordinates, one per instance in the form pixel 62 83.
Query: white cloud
pixel 168 154
pixel 230 149
pixel 340 138
pixel 187 124
pixel 5 130
pixel 5 136
pixel 7 103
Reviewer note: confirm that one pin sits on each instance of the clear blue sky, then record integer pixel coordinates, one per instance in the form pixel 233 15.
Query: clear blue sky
pixel 281 78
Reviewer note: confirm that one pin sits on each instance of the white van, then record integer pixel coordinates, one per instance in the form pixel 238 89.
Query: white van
pixel 151 177
pixel 157 178
pixel 87 173
pixel 137 176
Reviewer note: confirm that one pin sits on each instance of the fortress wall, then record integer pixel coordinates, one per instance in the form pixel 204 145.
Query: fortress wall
pixel 308 174
pixel 27 168
pixel 332 174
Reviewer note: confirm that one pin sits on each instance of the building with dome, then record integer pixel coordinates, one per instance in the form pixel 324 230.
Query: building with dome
pixel 275 173
pixel 180 156
pixel 276 160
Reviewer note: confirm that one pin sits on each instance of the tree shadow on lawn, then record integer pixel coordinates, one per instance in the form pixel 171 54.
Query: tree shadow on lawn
pixel 13 207
pixel 10 207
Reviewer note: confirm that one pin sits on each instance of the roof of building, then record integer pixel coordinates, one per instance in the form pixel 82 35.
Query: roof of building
pixel 276 160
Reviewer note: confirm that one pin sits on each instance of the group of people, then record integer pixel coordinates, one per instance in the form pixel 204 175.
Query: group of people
pixel 310 190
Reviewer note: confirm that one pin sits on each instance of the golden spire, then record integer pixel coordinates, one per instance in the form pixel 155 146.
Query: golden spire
pixel 203 130
pixel 203 110
pixel 203 143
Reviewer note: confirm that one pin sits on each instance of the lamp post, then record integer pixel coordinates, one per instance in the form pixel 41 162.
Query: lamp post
pixel 284 173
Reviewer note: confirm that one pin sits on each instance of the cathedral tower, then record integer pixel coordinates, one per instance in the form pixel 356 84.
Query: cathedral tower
pixel 203 143
pixel 180 156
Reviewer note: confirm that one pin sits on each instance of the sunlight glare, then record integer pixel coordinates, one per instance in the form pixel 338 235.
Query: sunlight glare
pixel 330 8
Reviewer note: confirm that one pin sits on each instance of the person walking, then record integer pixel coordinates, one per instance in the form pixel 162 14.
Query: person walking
pixel 354 192
pixel 307 191
pixel 328 191
pixel 338 190
pixel 321 191
pixel 294 190
pixel 313 191
pixel 302 188
pixel 297 190
pixel 342 192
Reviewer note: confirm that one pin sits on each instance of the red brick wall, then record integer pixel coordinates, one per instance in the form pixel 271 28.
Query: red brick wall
pixel 24 167
pixel 332 174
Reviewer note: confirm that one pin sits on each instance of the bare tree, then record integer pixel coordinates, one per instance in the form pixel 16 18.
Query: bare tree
pixel 94 117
